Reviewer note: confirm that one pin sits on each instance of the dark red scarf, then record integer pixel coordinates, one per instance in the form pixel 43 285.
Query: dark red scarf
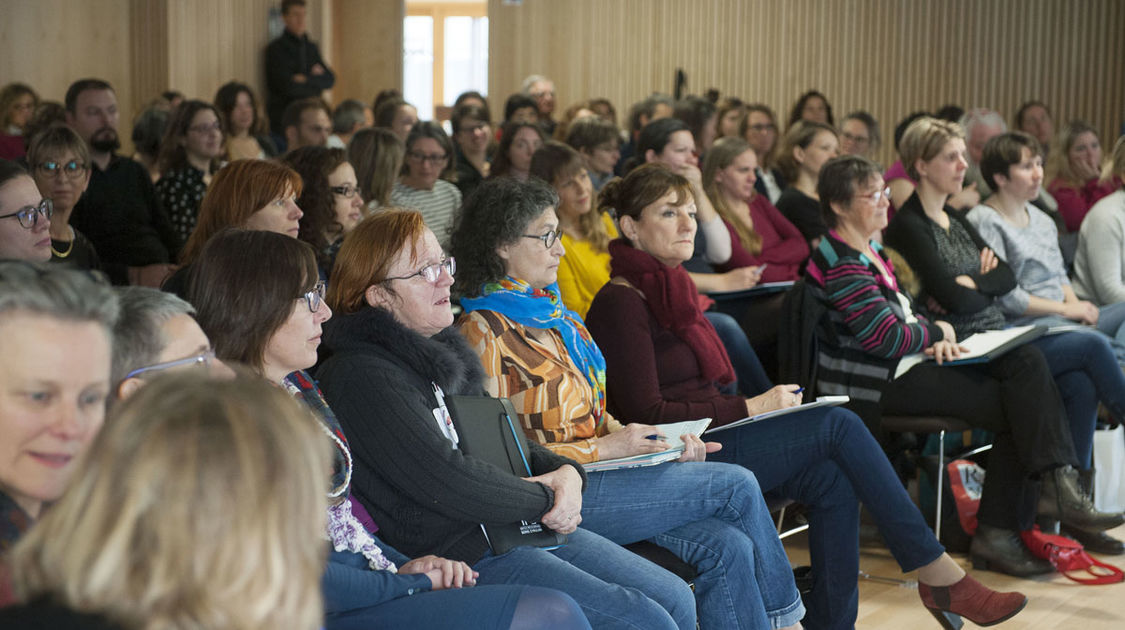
pixel 676 304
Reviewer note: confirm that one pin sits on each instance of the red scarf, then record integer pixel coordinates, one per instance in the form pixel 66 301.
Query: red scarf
pixel 676 304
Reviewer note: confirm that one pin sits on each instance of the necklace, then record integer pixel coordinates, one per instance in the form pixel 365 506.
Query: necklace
pixel 59 254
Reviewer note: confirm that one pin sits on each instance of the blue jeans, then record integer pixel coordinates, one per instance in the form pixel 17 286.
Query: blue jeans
pixel 1086 371
pixel 1111 321
pixel 829 461
pixel 712 516
pixel 615 587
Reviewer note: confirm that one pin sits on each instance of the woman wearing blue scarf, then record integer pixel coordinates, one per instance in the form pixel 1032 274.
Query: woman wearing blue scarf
pixel 539 354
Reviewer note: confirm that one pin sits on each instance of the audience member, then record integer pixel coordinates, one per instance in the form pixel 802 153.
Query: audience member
pixel 377 155
pixel 473 97
pixel 60 164
pixel 896 177
pixel 730 113
pixel 397 115
pixel 1073 173
pixel 811 106
pixel 46 114
pixel 383 96
pixel 537 353
pixel 366 581
pixel 700 116
pixel 542 90
pixel 149 127
pixel 17 103
pixel 329 200
pixel 642 113
pixel 1034 118
pixel 1099 266
pixel 663 361
pixel 518 142
pixel 804 149
pixel 394 357
pixel 25 216
pixel 244 128
pixel 422 185
pixel 56 328
pixel 598 142
pixel 859 134
pixel 173 519
pixel 350 116
pixel 605 110
pixel 950 112
pixel 521 108
pixel 174 98
pixel 189 154
pixel 307 123
pixel 979 126
pixel 120 212
pixel 472 134
pixel 294 68
pixel 759 128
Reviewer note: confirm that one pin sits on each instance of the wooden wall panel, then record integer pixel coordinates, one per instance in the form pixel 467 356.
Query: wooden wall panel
pixel 368 45
pixel 890 57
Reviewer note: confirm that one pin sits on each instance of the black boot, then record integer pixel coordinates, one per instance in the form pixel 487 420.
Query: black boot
pixel 1097 542
pixel 1062 499
pixel 1003 550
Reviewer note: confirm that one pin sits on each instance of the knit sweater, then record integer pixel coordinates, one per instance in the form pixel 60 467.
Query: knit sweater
pixel 1099 265
pixel 1076 202
pixel 427 496
pixel 583 270
pixel 439 206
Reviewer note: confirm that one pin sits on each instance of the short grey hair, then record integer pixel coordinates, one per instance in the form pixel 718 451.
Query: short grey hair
pixel 138 338
pixel 347 114
pixel 532 80
pixel 59 292
pixel 982 116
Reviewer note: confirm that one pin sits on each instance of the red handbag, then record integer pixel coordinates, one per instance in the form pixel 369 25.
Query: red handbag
pixel 1067 555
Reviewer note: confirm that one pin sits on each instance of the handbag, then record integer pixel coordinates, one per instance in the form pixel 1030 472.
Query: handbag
pixel 1067 555
pixel 1109 469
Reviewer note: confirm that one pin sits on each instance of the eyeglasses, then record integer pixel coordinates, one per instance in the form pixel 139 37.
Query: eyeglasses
pixel 213 127
pixel 28 216
pixel 431 273
pixel 760 127
pixel 315 297
pixel 203 359
pixel 548 239
pixel 435 158
pixel 856 139
pixel 878 195
pixel 347 191
pixel 72 169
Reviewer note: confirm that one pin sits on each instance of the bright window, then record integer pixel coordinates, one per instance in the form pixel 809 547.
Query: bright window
pixel 445 53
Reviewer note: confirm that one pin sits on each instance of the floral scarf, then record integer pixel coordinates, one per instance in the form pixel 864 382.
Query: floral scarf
pixel 543 308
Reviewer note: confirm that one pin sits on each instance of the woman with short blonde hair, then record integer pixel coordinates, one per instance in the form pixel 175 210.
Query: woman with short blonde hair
pixel 171 522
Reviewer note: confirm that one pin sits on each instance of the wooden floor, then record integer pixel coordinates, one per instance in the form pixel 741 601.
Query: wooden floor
pixel 1055 602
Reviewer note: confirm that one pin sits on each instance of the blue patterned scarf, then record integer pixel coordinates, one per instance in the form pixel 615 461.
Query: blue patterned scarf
pixel 543 308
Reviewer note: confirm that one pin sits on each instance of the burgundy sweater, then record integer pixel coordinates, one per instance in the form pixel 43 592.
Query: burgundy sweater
pixel 652 376
pixel 784 248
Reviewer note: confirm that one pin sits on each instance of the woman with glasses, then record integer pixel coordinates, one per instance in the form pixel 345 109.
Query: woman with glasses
pixel 259 300
pixel 423 185
pixel 759 128
pixel 664 363
pixel 537 353
pixel 859 134
pixel 518 142
pixel 25 216
pixel 60 164
pixel 330 200
pixel 394 359
pixel 189 155
pixel 56 327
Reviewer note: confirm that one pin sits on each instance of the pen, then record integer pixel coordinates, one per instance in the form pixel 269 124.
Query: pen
pixel 798 390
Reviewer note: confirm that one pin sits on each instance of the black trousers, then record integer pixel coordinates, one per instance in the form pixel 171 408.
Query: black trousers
pixel 1013 396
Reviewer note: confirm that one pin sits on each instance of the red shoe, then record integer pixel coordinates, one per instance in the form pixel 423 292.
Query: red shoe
pixel 972 600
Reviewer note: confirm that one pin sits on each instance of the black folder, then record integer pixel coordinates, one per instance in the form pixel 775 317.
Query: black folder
pixel 487 430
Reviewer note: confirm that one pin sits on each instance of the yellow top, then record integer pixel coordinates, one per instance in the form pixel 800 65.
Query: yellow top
pixel 583 270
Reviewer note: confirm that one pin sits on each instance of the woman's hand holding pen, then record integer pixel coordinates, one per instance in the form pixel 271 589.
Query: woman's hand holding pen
pixel 633 439
pixel 778 397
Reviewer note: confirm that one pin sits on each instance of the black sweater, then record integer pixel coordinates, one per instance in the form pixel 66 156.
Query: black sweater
pixel 426 496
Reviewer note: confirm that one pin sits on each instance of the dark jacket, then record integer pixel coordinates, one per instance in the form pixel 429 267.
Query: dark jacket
pixel 286 56
pixel 44 614
pixel 426 496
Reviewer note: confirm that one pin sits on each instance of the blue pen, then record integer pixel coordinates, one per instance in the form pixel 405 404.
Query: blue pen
pixel 798 390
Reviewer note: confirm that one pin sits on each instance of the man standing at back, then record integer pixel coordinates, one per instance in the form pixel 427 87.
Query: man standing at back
pixel 294 69
pixel 119 212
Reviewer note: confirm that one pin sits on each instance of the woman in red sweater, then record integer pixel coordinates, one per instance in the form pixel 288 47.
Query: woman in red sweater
pixel 1073 170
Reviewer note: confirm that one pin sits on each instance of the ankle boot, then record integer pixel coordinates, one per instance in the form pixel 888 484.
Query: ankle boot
pixel 1062 499
pixel 971 600
pixel 1003 550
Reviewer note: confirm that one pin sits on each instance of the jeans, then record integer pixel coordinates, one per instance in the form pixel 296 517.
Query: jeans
pixel 615 587
pixel 1086 371
pixel 713 517
pixel 829 461
pixel 1111 321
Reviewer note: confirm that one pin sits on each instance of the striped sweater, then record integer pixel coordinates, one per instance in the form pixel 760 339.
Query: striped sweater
pixel 869 324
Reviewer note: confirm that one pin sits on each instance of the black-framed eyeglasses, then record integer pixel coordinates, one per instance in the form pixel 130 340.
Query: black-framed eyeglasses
pixel 28 216
pixel 72 169
pixel 347 191
pixel 315 297
pixel 431 273
pixel 548 239
pixel 435 158
pixel 203 359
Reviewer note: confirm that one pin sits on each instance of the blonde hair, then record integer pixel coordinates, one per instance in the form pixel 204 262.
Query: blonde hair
pixel 722 154
pixel 201 504
pixel 1058 160
pixel 800 134
pixel 1115 165
pixel 924 139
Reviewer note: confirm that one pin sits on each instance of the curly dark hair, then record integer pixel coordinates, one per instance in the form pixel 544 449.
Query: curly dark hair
pixel 799 106
pixel 314 164
pixel 496 213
